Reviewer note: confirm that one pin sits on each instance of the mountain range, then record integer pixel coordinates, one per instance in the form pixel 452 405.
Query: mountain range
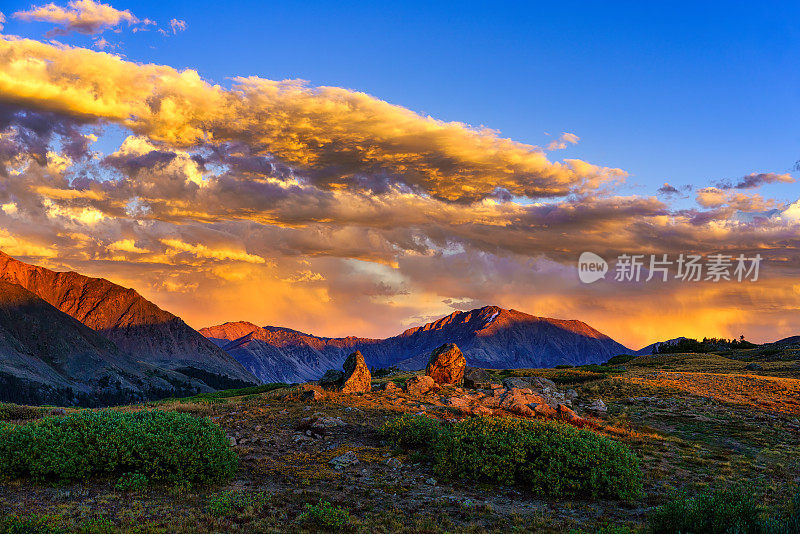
pixel 489 337
pixel 70 338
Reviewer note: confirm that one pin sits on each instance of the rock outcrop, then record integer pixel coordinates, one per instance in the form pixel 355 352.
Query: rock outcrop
pixel 475 378
pixel 446 365
pixel 355 378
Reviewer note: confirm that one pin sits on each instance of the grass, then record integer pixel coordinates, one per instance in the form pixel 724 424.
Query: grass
pixel 687 434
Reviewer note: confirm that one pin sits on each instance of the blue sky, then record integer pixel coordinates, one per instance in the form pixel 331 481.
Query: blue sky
pixel 679 93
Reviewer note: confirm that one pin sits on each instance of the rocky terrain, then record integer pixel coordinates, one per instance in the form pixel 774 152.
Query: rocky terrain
pixel 159 353
pixel 302 444
pixel 489 337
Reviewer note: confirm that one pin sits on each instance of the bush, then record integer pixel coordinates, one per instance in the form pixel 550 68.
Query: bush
pixel 412 431
pixel 132 482
pixel 33 524
pixel 715 510
pixel 16 412
pixel 163 446
pixel 620 359
pixel 325 515
pixel 225 503
pixel 552 459
pixel 788 523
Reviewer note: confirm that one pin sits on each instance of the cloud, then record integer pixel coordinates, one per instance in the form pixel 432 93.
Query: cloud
pixel 2 20
pixel 81 16
pixel 177 25
pixel 562 141
pixel 754 180
pixel 331 137
pixel 346 214
pixel 713 197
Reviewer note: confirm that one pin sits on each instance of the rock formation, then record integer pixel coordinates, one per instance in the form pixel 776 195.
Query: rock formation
pixel 355 378
pixel 446 365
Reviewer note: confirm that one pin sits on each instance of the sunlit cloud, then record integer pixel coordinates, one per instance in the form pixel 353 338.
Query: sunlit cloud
pixel 81 16
pixel 335 212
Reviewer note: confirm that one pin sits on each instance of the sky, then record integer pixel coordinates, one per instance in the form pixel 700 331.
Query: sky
pixel 348 168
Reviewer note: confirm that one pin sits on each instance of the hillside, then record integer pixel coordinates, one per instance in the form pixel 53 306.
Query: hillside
pixel 135 325
pixel 46 356
pixel 490 337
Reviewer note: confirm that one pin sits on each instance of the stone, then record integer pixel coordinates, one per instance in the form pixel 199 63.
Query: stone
pixel 419 385
pixel 567 415
pixel 481 411
pixel 543 410
pixel 754 367
pixel 476 378
pixel 394 463
pixel 357 378
pixel 390 386
pixel 446 365
pixel 597 406
pixel 345 460
pixel 311 393
pixel 331 379
pixel 571 394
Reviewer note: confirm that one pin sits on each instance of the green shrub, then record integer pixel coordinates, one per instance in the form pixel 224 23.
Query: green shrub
pixel 132 482
pixel 620 359
pixel 788 523
pixel 552 459
pixel 225 503
pixel 17 412
pixel 164 446
pixel 412 431
pixel 715 510
pixel 325 515
pixel 28 525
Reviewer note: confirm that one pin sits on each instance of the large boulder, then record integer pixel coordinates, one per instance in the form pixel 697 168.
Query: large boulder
pixel 357 378
pixel 446 365
pixel 331 379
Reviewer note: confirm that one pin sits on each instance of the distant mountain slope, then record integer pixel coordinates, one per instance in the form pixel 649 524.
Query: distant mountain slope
pixel 792 340
pixel 136 325
pixel 46 356
pixel 650 349
pixel 489 337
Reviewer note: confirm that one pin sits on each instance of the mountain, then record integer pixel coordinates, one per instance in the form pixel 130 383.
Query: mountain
pixel 650 349
pixel 489 337
pixel 46 356
pixel 792 340
pixel 135 325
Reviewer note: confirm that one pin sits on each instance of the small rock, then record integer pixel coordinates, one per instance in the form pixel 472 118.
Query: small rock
pixel 566 414
pixel 419 385
pixel 232 441
pixel 394 463
pixel 347 459
pixel 58 411
pixel 431 481
pixel 597 406
pixel 476 378
pixel 754 367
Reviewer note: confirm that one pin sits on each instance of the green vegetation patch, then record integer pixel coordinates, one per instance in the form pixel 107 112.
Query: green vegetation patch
pixel 550 458
pixel 166 446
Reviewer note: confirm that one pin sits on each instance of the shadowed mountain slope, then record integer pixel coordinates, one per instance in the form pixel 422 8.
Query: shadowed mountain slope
pixel 135 325
pixel 46 356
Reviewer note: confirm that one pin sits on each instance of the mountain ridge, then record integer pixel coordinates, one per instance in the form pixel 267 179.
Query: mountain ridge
pixel 135 325
pixel 489 337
